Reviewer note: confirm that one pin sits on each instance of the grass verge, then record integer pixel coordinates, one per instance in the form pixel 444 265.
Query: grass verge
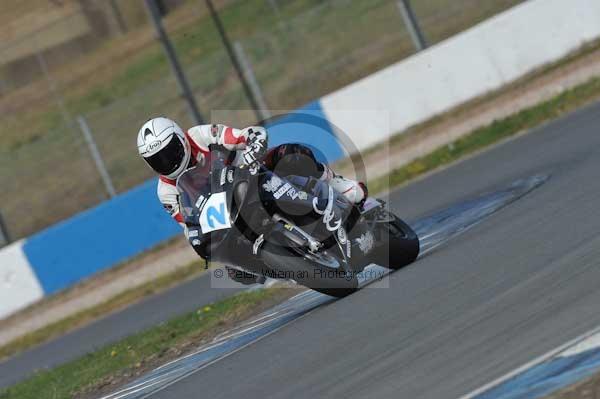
pixel 85 316
pixel 485 136
pixel 132 356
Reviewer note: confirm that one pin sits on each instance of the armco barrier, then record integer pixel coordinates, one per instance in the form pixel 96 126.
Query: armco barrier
pixel 472 63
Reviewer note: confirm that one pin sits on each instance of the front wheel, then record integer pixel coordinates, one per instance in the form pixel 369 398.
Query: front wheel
pixel 321 272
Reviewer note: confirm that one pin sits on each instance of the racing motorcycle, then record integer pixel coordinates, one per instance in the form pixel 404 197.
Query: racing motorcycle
pixel 293 227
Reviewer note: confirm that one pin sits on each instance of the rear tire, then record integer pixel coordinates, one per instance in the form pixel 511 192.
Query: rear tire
pixel 403 244
pixel 312 274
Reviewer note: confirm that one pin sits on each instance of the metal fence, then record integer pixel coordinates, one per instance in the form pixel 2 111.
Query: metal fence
pixel 293 50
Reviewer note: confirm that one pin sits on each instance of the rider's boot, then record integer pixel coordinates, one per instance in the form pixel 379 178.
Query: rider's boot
pixel 354 191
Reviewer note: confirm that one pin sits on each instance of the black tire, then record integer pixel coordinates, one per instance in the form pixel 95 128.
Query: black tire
pixel 403 244
pixel 310 273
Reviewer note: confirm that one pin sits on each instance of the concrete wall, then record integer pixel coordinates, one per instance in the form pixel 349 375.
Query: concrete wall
pixel 19 285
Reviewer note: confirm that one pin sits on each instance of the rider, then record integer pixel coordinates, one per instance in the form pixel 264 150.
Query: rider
pixel 169 152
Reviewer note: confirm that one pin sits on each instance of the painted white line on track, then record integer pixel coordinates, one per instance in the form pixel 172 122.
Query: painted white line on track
pixel 559 351
pixel 587 344
pixel 223 356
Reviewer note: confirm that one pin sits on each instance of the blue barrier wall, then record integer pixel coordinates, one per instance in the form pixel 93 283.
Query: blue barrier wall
pixel 99 238
pixel 134 222
pixel 307 125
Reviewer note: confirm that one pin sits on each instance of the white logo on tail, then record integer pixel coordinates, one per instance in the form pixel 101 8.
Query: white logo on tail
pixel 366 242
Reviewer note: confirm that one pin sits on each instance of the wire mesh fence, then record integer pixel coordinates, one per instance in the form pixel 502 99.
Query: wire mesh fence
pixel 46 180
pixel 298 50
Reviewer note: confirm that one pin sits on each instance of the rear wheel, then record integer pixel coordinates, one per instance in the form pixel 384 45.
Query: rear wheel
pixel 321 271
pixel 402 243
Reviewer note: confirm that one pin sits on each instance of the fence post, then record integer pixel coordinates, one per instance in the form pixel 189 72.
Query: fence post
pixel 4 234
pixel 53 88
pixel 182 81
pixel 412 24
pixel 118 16
pixel 3 87
pixel 87 134
pixel 252 81
pixel 274 6
pixel 232 57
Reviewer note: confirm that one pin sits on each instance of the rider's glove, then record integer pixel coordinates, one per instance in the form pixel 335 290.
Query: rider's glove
pixel 255 151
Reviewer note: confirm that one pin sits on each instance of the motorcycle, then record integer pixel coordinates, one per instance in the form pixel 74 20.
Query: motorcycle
pixel 293 227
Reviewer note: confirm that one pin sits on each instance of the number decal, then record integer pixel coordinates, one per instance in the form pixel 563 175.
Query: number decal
pixel 219 215
pixel 215 215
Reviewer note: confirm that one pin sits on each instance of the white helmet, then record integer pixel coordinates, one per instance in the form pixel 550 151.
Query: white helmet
pixel 163 145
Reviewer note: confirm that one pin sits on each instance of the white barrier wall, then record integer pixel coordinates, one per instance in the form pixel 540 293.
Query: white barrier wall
pixel 19 286
pixel 465 66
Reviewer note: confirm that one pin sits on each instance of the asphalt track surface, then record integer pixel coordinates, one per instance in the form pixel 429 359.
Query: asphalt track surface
pixel 515 286
pixel 154 310
pixel 520 283
pixel 434 230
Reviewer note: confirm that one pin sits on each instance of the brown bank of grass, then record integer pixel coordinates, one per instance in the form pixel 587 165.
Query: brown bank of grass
pixel 586 389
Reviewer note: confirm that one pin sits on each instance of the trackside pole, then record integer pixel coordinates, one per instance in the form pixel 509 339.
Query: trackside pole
pixel 252 81
pixel 274 6
pixel 4 234
pixel 232 56
pixel 53 88
pixel 89 139
pixel 412 24
pixel 184 87
pixel 118 15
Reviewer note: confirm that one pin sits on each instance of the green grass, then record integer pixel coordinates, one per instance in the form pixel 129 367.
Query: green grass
pixel 488 135
pixel 143 350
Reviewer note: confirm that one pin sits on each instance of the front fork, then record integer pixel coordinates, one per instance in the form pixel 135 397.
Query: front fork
pixel 296 234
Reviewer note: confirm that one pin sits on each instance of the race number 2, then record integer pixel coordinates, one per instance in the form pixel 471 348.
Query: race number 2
pixel 215 215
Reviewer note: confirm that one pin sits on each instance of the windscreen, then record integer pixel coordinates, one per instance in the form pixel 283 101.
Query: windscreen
pixel 196 184
pixel 193 185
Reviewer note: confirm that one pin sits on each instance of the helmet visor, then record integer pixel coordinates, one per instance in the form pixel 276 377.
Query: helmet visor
pixel 167 160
